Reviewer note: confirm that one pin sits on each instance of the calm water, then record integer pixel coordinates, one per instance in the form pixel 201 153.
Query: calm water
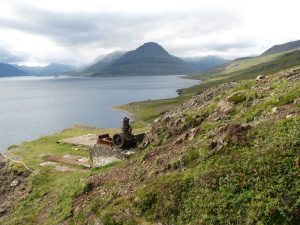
pixel 31 107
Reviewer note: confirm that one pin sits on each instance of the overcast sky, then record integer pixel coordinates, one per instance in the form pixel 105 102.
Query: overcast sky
pixel 38 32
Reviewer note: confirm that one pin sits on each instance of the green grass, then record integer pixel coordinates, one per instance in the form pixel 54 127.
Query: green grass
pixel 52 193
pixel 253 183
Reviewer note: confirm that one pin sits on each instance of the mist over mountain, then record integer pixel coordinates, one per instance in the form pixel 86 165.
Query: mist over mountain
pixel 51 69
pixel 201 64
pixel 7 70
pixel 101 63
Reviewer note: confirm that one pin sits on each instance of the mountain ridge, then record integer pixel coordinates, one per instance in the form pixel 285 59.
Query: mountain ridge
pixel 282 47
pixel 151 59
pixel 8 70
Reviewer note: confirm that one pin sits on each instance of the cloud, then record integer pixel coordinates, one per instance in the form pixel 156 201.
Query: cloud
pixel 111 29
pixel 10 57
pixel 78 31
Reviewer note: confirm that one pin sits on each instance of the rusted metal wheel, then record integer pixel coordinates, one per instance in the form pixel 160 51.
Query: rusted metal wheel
pixel 119 140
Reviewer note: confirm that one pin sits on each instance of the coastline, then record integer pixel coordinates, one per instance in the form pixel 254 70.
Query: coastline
pixel 144 112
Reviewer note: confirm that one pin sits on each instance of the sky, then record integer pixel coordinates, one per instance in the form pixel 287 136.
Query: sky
pixel 39 32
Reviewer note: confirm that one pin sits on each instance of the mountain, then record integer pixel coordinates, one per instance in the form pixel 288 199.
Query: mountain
pixel 148 59
pixel 200 64
pixel 51 69
pixel 249 67
pixel 103 63
pixel 283 47
pixel 7 70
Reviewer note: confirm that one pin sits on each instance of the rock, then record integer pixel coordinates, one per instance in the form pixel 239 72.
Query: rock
pixel 68 156
pixel 14 183
pixel 165 119
pixel 213 145
pixel 289 116
pixel 156 120
pixel 146 143
pixel 225 106
pixel 84 160
pixel 181 139
pixel 236 134
pixel 2 211
pixel 48 164
pixel 193 133
pixel 260 77
pixel 274 110
pixel 297 101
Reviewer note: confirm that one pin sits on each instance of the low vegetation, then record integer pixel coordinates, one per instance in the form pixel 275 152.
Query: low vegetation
pixel 229 155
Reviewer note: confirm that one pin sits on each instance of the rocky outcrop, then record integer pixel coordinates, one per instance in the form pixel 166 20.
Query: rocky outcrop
pixel 13 187
pixel 187 118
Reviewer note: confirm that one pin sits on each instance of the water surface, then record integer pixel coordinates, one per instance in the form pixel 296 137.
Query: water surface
pixel 34 106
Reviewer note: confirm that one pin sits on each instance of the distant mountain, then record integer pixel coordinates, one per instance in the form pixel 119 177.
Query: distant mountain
pixel 51 69
pixel 103 63
pixel 283 47
pixel 250 67
pixel 201 64
pixel 148 59
pixel 7 70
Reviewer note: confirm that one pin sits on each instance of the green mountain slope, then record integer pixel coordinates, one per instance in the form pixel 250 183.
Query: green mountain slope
pixel 251 67
pixel 213 160
pixel 229 155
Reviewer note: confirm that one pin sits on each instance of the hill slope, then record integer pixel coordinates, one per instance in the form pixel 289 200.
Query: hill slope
pixel 250 67
pixel 212 160
pixel 283 47
pixel 7 70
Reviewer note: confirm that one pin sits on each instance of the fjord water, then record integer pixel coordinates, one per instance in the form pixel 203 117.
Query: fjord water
pixel 34 106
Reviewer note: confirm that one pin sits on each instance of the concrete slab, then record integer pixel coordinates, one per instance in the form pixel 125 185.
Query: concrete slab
pixel 87 140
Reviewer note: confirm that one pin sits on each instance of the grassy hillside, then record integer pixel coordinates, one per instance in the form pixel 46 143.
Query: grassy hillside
pixel 227 156
pixel 251 67
pixel 213 160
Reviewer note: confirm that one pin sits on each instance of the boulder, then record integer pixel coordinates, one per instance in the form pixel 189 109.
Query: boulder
pixel 225 106
pixel 260 77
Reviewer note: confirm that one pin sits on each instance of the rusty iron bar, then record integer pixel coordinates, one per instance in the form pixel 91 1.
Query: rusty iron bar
pixel 66 161
pixel 105 139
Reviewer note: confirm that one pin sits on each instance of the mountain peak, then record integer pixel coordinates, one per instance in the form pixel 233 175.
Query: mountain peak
pixel 151 44
pixel 152 48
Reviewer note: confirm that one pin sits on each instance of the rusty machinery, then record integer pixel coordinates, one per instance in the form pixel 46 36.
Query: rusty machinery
pixel 124 140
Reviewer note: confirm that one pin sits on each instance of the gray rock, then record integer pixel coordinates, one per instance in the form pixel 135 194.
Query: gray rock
pixel 274 110
pixel 260 77
pixel 14 183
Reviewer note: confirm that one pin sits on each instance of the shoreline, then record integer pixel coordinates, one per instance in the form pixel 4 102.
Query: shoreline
pixel 138 122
